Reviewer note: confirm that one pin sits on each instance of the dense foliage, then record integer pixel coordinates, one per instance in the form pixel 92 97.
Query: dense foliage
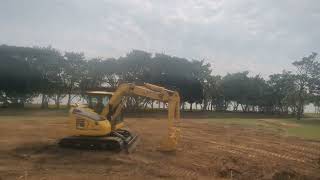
pixel 27 72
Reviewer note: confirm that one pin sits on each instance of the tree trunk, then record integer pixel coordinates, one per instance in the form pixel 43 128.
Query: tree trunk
pixel 235 106
pixel 58 101
pixel 191 106
pixel 146 104
pixel 225 106
pixel 242 108
pixel 69 100
pixel 44 102
pixel 5 102
pixel 205 105
pixel 69 94
pixel 246 108
pixel 201 107
pixel 300 103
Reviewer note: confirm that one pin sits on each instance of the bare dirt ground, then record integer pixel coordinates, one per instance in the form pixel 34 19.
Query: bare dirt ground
pixel 206 150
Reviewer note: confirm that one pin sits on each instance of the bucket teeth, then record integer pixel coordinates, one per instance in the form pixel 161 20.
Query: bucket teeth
pixel 131 145
pixel 170 143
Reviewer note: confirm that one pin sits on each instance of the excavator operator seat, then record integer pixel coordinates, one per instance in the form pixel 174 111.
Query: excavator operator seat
pixel 97 100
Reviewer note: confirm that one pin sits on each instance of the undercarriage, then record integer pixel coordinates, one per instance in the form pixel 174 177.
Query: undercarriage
pixel 115 141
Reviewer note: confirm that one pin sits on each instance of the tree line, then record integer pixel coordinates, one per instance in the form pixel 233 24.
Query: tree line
pixel 28 72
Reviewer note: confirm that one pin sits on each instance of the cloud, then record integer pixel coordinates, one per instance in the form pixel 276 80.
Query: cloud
pixel 260 36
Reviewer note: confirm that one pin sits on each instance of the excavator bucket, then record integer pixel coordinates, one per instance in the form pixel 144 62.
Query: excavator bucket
pixel 170 142
pixel 131 145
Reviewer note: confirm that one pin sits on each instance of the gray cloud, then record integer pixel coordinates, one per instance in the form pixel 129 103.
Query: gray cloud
pixel 260 36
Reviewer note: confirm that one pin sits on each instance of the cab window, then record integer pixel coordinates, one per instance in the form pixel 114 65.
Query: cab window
pixel 97 103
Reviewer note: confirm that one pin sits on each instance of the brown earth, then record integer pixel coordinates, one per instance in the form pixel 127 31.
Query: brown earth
pixel 206 151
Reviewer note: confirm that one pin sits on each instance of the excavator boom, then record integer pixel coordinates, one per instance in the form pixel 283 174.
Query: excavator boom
pixel 153 92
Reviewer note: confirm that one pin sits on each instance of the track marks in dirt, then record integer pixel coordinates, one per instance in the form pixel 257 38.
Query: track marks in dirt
pixel 252 144
pixel 293 150
pixel 204 150
pixel 181 172
pixel 257 151
pixel 249 152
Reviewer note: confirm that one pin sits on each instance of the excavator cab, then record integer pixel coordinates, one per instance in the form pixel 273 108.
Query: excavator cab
pixel 97 100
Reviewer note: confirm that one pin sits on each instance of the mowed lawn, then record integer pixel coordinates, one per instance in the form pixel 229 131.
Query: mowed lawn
pixel 306 128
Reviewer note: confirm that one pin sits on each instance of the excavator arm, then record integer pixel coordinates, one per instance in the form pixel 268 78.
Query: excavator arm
pixel 114 107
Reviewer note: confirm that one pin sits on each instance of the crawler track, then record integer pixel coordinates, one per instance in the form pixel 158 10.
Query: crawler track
pixel 117 141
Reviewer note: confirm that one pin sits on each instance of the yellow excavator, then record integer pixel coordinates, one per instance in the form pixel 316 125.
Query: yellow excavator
pixel 99 125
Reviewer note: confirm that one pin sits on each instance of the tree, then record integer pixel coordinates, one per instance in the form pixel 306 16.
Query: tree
pixel 49 62
pixel 283 92
pixel 135 67
pixel 178 74
pixel 73 73
pixel 235 89
pixel 214 93
pixel 19 79
pixel 257 90
pixel 202 73
pixel 315 82
pixel 304 70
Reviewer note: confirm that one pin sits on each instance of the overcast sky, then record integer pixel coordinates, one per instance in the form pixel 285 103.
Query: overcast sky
pixel 262 36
